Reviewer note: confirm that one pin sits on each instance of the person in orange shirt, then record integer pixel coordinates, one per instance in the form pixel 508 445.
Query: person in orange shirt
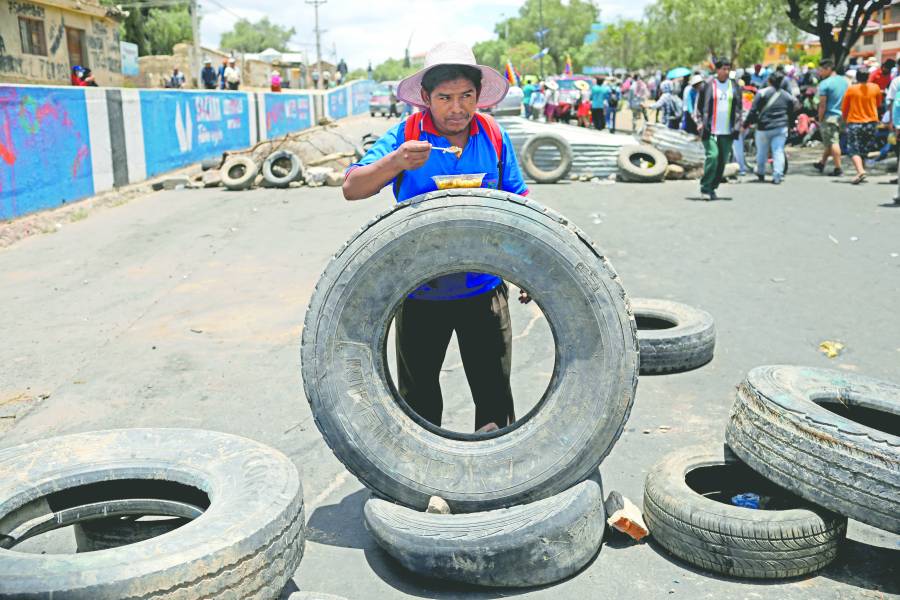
pixel 860 112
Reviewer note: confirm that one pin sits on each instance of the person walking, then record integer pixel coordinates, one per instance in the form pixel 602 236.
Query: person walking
pixel 232 75
pixel 638 93
pixel 176 81
pixel 552 102
pixel 689 100
pixel 527 91
pixel 449 89
pixel 718 117
pixel 669 106
pixel 772 111
pixel 275 81
pixel 860 111
pixel 220 74
pixel 538 102
pixel 612 104
pixel 831 90
pixel 584 103
pixel 208 75
pixel 599 96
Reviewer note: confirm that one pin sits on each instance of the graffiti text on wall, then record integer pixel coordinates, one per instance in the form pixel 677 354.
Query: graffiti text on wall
pixel 181 128
pixel 286 113
pixel 26 8
pixel 44 149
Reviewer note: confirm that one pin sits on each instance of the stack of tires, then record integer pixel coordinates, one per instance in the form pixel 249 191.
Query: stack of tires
pixel 237 529
pixel 279 169
pixel 806 449
pixel 527 500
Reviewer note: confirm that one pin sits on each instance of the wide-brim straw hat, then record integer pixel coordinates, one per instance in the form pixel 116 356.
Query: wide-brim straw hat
pixel 493 85
pixel 583 85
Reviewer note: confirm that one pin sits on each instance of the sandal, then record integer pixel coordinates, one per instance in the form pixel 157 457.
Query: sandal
pixel 859 179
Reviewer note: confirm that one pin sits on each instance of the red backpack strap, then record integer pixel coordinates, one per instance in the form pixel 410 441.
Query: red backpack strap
pixel 412 130
pixel 495 135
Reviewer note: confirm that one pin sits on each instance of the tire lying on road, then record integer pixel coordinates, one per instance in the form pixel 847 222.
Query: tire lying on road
pixel 282 167
pixel 687 509
pixel 239 172
pixel 673 336
pixel 395 452
pixel 641 164
pixel 829 436
pixel 247 543
pixel 530 163
pixel 522 546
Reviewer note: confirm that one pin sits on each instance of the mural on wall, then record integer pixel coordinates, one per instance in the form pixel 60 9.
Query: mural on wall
pixel 286 113
pixel 337 103
pixel 185 127
pixel 361 91
pixel 45 154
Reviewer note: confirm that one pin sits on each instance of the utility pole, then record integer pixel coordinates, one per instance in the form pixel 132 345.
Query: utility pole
pixel 541 18
pixel 195 35
pixel 319 33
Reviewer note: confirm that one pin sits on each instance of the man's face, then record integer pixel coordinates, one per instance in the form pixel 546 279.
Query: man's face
pixel 452 105
pixel 722 72
pixel 824 72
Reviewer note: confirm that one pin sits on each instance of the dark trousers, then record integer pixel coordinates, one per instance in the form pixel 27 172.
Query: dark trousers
pixel 483 330
pixel 598 118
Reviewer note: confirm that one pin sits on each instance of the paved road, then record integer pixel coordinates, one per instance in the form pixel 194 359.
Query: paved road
pixel 184 308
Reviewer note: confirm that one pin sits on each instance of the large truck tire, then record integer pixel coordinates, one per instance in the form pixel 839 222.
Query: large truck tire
pixel 687 509
pixel 673 336
pixel 395 452
pixel 641 164
pixel 829 436
pixel 526 545
pixel 247 542
pixel 546 139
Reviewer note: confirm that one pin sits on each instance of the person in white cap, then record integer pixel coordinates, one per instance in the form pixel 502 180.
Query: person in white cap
pixel 449 90
pixel 689 99
pixel 232 75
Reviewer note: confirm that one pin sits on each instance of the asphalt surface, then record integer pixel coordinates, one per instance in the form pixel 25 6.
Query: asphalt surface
pixel 184 308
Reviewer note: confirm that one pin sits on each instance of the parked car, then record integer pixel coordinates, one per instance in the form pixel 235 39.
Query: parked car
pixel 568 96
pixel 380 100
pixel 511 105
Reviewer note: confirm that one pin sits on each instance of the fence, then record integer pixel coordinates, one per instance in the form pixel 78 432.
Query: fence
pixel 60 144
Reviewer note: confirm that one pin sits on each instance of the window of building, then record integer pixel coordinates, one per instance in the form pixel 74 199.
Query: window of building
pixel 890 36
pixel 32 33
pixel 895 13
pixel 868 40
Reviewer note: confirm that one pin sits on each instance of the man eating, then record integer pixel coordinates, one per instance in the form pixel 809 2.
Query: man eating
pixel 449 90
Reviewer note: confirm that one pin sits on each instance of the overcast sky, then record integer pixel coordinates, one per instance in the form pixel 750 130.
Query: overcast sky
pixel 363 30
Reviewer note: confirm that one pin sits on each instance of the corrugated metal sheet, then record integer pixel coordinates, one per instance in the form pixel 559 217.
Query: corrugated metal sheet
pixel 688 145
pixel 593 152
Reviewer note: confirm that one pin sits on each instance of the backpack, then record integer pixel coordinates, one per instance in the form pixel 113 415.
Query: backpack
pixel 613 97
pixel 412 130
pixel 677 107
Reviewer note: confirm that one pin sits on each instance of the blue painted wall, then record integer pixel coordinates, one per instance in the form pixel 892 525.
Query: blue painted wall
pixel 45 149
pixel 337 104
pixel 181 128
pixel 286 113
pixel 360 92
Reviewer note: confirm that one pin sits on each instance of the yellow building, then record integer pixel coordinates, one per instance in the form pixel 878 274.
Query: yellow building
pixel 41 40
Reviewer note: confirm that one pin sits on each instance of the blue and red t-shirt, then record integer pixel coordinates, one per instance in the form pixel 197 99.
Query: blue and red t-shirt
pixel 479 156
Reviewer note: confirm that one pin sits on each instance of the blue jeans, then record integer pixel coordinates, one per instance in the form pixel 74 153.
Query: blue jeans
pixel 737 148
pixel 611 118
pixel 774 139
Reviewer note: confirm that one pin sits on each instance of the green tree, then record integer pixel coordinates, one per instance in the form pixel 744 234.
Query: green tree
pixel 621 44
pixel 688 31
pixel 392 69
pixel 256 37
pixel 837 23
pixel 566 25
pixel 520 56
pixel 491 53
pixel 164 28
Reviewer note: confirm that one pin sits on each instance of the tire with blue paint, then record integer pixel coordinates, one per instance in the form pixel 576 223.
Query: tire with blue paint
pixel 829 436
pixel 398 454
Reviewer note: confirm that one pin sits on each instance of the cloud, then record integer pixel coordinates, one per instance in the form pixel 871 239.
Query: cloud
pixel 374 30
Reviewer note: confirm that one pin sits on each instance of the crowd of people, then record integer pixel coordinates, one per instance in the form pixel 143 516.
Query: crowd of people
pixel 761 110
